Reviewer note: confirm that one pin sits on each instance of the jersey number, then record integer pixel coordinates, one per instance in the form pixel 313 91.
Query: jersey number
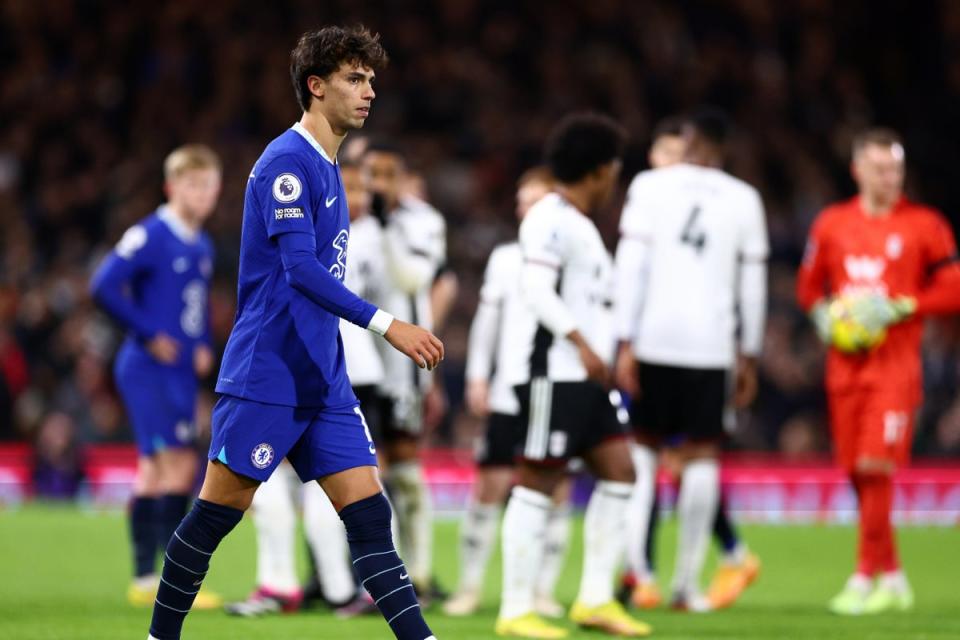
pixel 693 235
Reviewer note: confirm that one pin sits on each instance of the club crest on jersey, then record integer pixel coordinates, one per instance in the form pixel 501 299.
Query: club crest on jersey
pixel 262 455
pixel 894 246
pixel 287 188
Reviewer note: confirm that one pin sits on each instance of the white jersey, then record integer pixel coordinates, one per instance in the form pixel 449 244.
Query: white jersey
pixel 696 225
pixel 500 327
pixel 566 282
pixel 366 271
pixel 415 247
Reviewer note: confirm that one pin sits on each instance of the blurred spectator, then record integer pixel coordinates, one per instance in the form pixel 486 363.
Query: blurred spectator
pixel 57 471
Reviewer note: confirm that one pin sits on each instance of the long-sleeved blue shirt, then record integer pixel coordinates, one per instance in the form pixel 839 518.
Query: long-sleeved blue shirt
pixel 285 347
pixel 156 280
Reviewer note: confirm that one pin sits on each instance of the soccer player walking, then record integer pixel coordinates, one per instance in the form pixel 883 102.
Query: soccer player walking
pixel 283 383
pixel 560 376
pixel 890 262
pixel 693 250
pixel 154 284
pixel 498 329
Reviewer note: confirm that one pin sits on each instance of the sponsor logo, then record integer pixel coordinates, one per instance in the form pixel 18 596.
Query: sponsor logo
pixel 287 188
pixel 288 213
pixel 330 201
pixel 339 268
pixel 864 268
pixel 262 455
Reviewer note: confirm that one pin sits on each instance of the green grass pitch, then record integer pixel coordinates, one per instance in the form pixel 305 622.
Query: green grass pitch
pixel 63 573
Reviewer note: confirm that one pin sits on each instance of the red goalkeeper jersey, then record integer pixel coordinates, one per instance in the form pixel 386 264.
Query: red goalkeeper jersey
pixel 910 252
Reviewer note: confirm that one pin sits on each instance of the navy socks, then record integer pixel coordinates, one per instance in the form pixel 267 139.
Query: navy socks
pixel 170 510
pixel 723 529
pixel 186 562
pixel 143 535
pixel 379 568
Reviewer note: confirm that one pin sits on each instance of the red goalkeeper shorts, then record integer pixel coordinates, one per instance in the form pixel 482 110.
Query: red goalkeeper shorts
pixel 872 424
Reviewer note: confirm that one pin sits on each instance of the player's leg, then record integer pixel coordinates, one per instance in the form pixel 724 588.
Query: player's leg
pixel 249 440
pixel 328 543
pixel 696 508
pixel 557 537
pixel 478 531
pixel 528 509
pixel 143 533
pixel 846 426
pixel 275 523
pixel 337 449
pixel 886 446
pixel 738 566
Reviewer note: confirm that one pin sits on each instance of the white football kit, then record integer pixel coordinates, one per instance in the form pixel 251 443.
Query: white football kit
pixel 365 274
pixel 691 254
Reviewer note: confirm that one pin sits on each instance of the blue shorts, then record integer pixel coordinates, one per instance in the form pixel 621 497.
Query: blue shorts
pixel 160 402
pixel 253 437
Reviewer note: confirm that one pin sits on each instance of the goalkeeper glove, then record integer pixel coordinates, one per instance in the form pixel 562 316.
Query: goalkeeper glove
pixel 875 312
pixel 822 322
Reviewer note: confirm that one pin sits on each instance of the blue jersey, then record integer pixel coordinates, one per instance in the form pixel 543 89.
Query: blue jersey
pixel 156 281
pixel 285 347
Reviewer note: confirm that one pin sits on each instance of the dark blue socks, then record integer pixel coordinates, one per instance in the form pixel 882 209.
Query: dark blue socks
pixel 186 562
pixel 170 511
pixel 379 568
pixel 723 529
pixel 143 535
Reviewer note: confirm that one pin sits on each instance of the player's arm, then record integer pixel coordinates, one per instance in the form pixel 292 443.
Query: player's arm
pixel 413 259
pixel 544 250
pixel 941 292
pixel 813 282
pixel 752 302
pixel 482 342
pixel 632 262
pixel 110 285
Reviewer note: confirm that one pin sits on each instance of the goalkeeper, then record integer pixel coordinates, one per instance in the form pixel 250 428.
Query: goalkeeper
pixel 875 266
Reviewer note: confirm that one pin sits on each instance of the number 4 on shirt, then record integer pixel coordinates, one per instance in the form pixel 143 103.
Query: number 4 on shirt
pixel 692 234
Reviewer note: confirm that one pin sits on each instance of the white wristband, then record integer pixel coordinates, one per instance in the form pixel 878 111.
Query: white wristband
pixel 380 322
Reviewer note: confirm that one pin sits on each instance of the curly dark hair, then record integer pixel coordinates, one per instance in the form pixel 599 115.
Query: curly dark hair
pixel 321 52
pixel 582 143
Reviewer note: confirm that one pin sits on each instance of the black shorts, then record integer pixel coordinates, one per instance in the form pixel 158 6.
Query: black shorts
pixel 498 446
pixel 562 420
pixel 679 403
pixel 400 418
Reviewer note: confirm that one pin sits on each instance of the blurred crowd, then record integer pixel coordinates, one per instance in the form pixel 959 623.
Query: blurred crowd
pixel 94 94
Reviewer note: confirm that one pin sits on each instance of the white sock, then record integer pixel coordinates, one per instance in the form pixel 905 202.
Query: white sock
pixel 555 549
pixel 275 520
pixel 638 512
pixel 414 509
pixel 603 540
pixel 328 541
pixel 895 581
pixel 477 534
pixel 696 509
pixel 524 524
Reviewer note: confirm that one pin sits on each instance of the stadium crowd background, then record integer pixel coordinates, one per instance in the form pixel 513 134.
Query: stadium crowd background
pixel 94 94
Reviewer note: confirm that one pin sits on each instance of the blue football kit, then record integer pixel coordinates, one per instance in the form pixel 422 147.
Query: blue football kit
pixel 283 381
pixel 156 281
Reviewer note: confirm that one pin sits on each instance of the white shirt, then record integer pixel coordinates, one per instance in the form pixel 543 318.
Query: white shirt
pixel 415 247
pixel 366 271
pixel 566 281
pixel 693 247
pixel 499 327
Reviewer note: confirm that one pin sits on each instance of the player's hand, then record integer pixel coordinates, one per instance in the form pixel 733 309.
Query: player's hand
pixel 596 368
pixel 822 323
pixel 626 374
pixel 875 312
pixel 163 348
pixel 202 360
pixel 746 390
pixel 477 398
pixel 418 344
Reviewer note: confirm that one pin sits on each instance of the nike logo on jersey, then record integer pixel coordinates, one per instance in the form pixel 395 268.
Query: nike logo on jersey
pixel 404 576
pixel 330 201
pixel 181 264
